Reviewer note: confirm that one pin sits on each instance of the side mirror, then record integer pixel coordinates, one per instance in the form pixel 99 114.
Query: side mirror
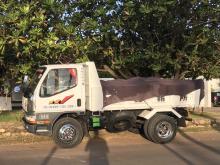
pixel 25 88
pixel 27 92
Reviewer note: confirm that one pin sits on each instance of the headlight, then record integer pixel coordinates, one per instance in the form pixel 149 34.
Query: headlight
pixel 31 119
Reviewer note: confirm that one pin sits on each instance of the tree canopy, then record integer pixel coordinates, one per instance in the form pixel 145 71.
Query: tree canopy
pixel 167 38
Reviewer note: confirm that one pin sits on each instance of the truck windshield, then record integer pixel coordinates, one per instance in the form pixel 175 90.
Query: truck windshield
pixel 57 81
pixel 36 78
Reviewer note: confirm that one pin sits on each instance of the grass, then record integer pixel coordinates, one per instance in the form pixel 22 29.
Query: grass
pixel 11 116
pixel 204 115
pixel 197 129
pixel 24 139
pixel 195 116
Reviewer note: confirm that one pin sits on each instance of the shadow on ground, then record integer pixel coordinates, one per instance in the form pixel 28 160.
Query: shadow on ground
pixel 49 156
pixel 205 145
pixel 178 155
pixel 98 150
pixel 193 151
pixel 201 144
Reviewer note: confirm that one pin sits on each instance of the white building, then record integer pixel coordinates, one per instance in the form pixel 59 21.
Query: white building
pixel 212 85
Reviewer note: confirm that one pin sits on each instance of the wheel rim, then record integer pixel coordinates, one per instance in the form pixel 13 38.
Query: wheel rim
pixel 67 132
pixel 164 130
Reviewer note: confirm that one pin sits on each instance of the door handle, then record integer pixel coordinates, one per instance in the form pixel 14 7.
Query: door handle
pixel 78 102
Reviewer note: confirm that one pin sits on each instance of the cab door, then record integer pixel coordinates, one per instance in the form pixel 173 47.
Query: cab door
pixel 61 90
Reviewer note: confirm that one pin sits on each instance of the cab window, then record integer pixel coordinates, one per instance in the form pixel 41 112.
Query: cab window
pixel 57 81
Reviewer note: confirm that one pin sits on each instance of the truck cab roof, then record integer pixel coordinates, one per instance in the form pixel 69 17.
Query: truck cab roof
pixel 61 65
pixel 65 65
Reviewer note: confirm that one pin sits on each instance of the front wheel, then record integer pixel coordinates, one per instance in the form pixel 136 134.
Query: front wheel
pixel 161 129
pixel 67 132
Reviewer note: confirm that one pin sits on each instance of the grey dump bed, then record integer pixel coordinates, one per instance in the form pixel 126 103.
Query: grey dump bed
pixel 140 89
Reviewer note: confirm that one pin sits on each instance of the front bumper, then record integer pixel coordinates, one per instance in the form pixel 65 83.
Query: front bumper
pixel 29 127
pixel 39 129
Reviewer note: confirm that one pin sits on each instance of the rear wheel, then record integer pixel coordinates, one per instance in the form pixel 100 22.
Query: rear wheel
pixel 120 121
pixel 145 130
pixel 161 129
pixel 67 132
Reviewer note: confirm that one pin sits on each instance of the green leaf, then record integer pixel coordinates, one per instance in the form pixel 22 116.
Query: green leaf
pixel 169 2
pixel 25 9
pixel 129 4
pixel 162 9
pixel 144 9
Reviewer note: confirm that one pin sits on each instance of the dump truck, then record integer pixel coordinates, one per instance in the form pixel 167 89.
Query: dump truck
pixel 66 101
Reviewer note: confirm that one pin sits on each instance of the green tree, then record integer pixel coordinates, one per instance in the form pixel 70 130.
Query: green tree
pixel 175 39
pixel 34 33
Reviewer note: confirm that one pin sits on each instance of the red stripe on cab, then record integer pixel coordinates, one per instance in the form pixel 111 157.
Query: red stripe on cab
pixel 66 99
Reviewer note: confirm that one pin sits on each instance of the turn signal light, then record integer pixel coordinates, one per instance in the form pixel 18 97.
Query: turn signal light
pixel 43 122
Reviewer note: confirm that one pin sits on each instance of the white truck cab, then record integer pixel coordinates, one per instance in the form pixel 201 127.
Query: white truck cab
pixel 67 101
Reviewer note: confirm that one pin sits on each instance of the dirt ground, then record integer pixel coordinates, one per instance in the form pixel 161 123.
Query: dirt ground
pixel 189 148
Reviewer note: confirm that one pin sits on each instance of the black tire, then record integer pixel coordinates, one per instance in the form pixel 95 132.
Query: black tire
pixel 145 130
pixel 134 130
pixel 161 129
pixel 64 127
pixel 120 121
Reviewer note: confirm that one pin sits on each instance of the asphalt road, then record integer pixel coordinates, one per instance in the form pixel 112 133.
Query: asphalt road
pixel 124 149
